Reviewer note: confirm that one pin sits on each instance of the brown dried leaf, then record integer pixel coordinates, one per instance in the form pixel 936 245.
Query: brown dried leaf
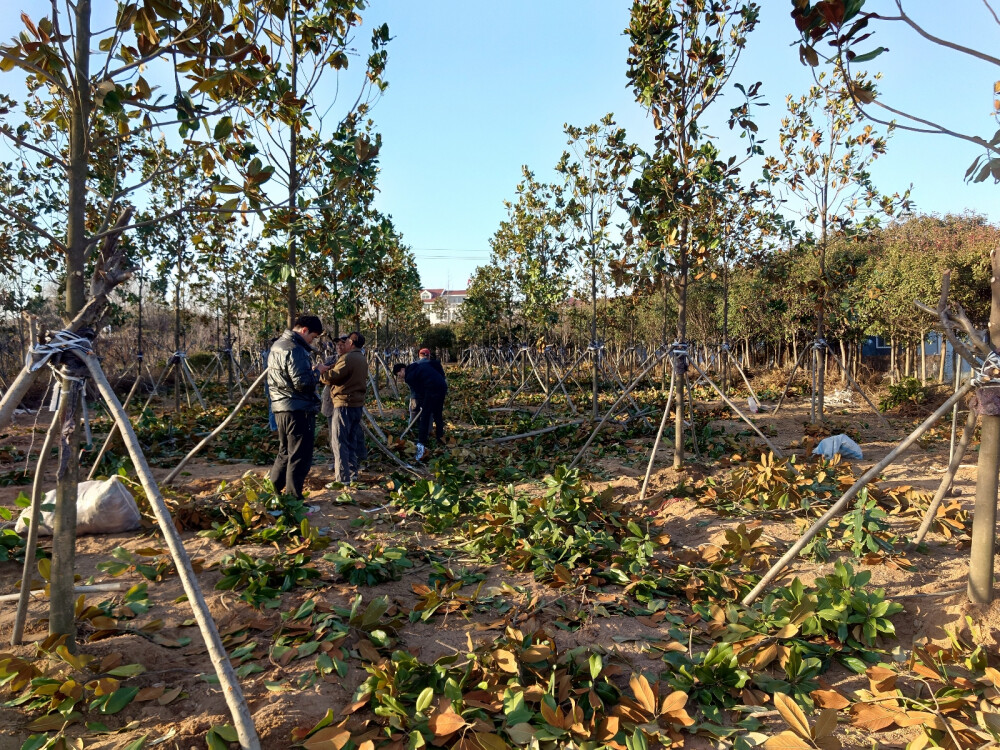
pixel 445 723
pixel 643 693
pixel 786 741
pixel 792 715
pixel 881 680
pixel 829 699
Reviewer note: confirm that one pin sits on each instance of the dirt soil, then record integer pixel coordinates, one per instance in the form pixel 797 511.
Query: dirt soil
pixel 932 593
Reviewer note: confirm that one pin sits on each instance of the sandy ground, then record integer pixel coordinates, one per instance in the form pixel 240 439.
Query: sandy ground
pixel 932 593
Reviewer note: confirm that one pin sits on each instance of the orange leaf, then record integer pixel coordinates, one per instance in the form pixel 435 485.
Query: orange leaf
pixel 872 717
pixel 643 692
pixel 445 723
pixel 786 741
pixel 825 724
pixel 328 738
pixel 829 699
pixel 881 679
pixel 792 715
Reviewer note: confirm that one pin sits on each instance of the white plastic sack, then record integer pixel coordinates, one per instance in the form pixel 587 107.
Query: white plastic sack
pixel 102 507
pixel 752 405
pixel 841 444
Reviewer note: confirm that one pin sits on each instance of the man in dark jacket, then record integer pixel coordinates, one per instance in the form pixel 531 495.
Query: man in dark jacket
pixel 291 381
pixel 428 386
pixel 348 381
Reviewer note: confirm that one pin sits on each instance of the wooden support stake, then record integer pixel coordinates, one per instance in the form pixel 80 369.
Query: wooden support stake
pixel 212 435
pixel 659 436
pixel 231 690
pixel 949 477
pixel 35 520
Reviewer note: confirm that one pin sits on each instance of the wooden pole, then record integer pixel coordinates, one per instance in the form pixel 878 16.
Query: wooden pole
pixel 942 490
pixel 214 433
pixel 653 363
pixel 735 408
pixel 985 515
pixel 15 394
pixel 659 436
pixel 231 690
pixel 35 516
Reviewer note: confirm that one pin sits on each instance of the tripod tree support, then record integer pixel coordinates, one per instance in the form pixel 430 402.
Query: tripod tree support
pixel 215 433
pixel 735 408
pixel 947 479
pixel 242 720
pixel 36 516
pixel 838 507
pixel 659 436
pixel 614 407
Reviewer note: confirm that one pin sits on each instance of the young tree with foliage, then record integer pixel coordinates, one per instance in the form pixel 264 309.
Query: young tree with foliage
pixel 595 170
pixel 307 39
pixel 682 55
pixel 488 309
pixel 532 243
pixel 844 25
pixel 823 161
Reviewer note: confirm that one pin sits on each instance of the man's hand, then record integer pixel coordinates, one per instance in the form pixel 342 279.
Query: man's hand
pixel 413 405
pixel 322 368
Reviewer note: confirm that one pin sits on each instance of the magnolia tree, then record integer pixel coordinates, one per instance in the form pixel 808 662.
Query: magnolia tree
pixel 681 57
pixel 596 170
pixel 532 242
pixel 823 165
pixel 306 42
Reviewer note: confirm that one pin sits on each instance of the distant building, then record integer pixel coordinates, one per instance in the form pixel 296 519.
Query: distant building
pixel 443 305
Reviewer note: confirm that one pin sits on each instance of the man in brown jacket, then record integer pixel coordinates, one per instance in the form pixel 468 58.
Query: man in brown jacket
pixel 348 381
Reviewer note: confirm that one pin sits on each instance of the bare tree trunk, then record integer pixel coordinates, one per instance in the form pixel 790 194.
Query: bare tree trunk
pixel 942 355
pixel 985 515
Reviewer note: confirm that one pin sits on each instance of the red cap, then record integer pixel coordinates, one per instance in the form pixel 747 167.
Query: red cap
pixel 424 352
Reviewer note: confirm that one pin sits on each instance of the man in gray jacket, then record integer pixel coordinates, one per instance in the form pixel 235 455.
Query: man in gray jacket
pixel 291 381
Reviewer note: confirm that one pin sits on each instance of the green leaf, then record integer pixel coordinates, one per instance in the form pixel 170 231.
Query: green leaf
pixel 223 128
pixel 867 56
pixel 424 699
pixel 127 670
pixel 119 699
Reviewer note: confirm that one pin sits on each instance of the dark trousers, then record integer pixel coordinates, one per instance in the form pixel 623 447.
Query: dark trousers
pixel 296 436
pixel 347 440
pixel 432 409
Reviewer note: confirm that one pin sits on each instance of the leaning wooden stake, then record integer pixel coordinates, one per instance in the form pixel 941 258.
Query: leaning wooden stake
pixel 35 520
pixel 659 436
pixel 533 433
pixel 838 507
pixel 242 719
pixel 614 407
pixel 942 490
pixel 212 435
pixel 114 428
pixel 744 417
pixel 15 394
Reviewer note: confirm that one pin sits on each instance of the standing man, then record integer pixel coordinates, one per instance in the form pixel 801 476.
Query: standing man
pixel 291 382
pixel 428 386
pixel 348 379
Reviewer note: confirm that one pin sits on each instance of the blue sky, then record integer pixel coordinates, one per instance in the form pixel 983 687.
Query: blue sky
pixel 479 88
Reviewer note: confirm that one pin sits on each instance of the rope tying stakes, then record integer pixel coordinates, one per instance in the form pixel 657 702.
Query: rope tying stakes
pixel 679 356
pixel 988 373
pixel 820 344
pixel 61 341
